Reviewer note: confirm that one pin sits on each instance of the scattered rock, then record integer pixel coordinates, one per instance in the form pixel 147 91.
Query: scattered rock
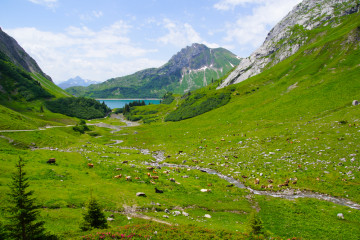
pixel 340 216
pixel 141 194
pixel 165 216
pixel 185 214
pixel 207 216
pixel 110 219
pixel 176 213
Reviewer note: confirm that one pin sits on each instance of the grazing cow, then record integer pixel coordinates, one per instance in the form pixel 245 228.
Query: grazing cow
pixel 180 152
pixel 150 168
pixel 295 181
pixel 128 178
pixel 158 191
pixel 263 186
pixel 125 162
pixel 166 172
pixel 172 179
pixel 257 181
pixel 270 186
pixel 154 171
pixel 152 182
pixel 137 178
pixel 210 184
pixel 287 182
pixel 270 181
pixel 90 165
pixel 118 169
pixel 177 169
pixel 149 175
pixel 51 161
pixel 299 166
pixel 155 177
pixel 118 176
pixel 243 176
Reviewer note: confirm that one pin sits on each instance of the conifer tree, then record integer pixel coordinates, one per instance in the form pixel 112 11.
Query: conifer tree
pixel 23 211
pixel 94 217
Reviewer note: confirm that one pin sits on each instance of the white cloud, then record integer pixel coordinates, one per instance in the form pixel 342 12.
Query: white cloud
pixel 48 3
pixel 97 14
pixel 90 16
pixel 251 30
pixel 179 34
pixel 95 55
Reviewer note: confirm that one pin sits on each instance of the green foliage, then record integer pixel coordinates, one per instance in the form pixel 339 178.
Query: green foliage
pixel 81 127
pixel 198 104
pixel 255 224
pixel 18 84
pixel 93 217
pixel 84 108
pixel 168 98
pixel 23 223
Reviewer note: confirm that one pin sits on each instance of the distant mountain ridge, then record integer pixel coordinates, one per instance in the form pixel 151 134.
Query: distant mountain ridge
pixel 76 81
pixel 10 47
pixel 191 68
pixel 286 38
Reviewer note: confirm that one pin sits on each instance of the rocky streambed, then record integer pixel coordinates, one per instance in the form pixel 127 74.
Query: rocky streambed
pixel 286 194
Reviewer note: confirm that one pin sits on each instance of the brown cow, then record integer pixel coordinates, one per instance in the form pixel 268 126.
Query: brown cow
pixel 51 161
pixel 90 165
pixel 155 177
pixel 257 181
pixel 128 178
pixel 118 176
pixel 150 168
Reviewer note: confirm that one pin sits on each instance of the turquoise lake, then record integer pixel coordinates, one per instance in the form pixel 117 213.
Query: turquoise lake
pixel 120 103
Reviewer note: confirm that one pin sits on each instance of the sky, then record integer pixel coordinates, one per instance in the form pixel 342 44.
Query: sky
pixel 103 39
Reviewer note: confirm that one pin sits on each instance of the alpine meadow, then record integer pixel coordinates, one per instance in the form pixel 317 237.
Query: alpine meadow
pixel 261 147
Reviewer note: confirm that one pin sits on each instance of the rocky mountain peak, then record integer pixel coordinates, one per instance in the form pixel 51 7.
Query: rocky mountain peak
pixel 288 36
pixel 18 56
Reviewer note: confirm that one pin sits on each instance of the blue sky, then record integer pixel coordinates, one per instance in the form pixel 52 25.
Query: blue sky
pixel 101 39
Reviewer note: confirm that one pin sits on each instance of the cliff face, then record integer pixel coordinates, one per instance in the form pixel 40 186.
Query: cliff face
pixel 289 35
pixel 18 56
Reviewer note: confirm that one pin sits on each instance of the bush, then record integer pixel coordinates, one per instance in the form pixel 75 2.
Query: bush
pixel 84 108
pixel 197 104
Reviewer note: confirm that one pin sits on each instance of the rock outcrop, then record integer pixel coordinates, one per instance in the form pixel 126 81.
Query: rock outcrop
pixel 289 35
pixel 18 56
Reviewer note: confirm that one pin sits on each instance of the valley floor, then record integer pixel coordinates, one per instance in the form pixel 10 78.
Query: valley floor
pixel 214 198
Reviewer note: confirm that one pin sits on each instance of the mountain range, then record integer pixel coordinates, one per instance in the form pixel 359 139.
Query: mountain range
pixel 290 34
pixel 193 67
pixel 76 81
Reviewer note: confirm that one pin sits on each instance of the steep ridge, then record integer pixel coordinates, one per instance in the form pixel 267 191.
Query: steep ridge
pixel 18 56
pixel 286 38
pixel 193 67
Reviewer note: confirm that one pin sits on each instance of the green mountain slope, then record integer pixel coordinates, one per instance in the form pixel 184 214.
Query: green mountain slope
pixel 191 68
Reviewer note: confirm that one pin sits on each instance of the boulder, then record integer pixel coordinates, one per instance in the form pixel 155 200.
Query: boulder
pixel 141 194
